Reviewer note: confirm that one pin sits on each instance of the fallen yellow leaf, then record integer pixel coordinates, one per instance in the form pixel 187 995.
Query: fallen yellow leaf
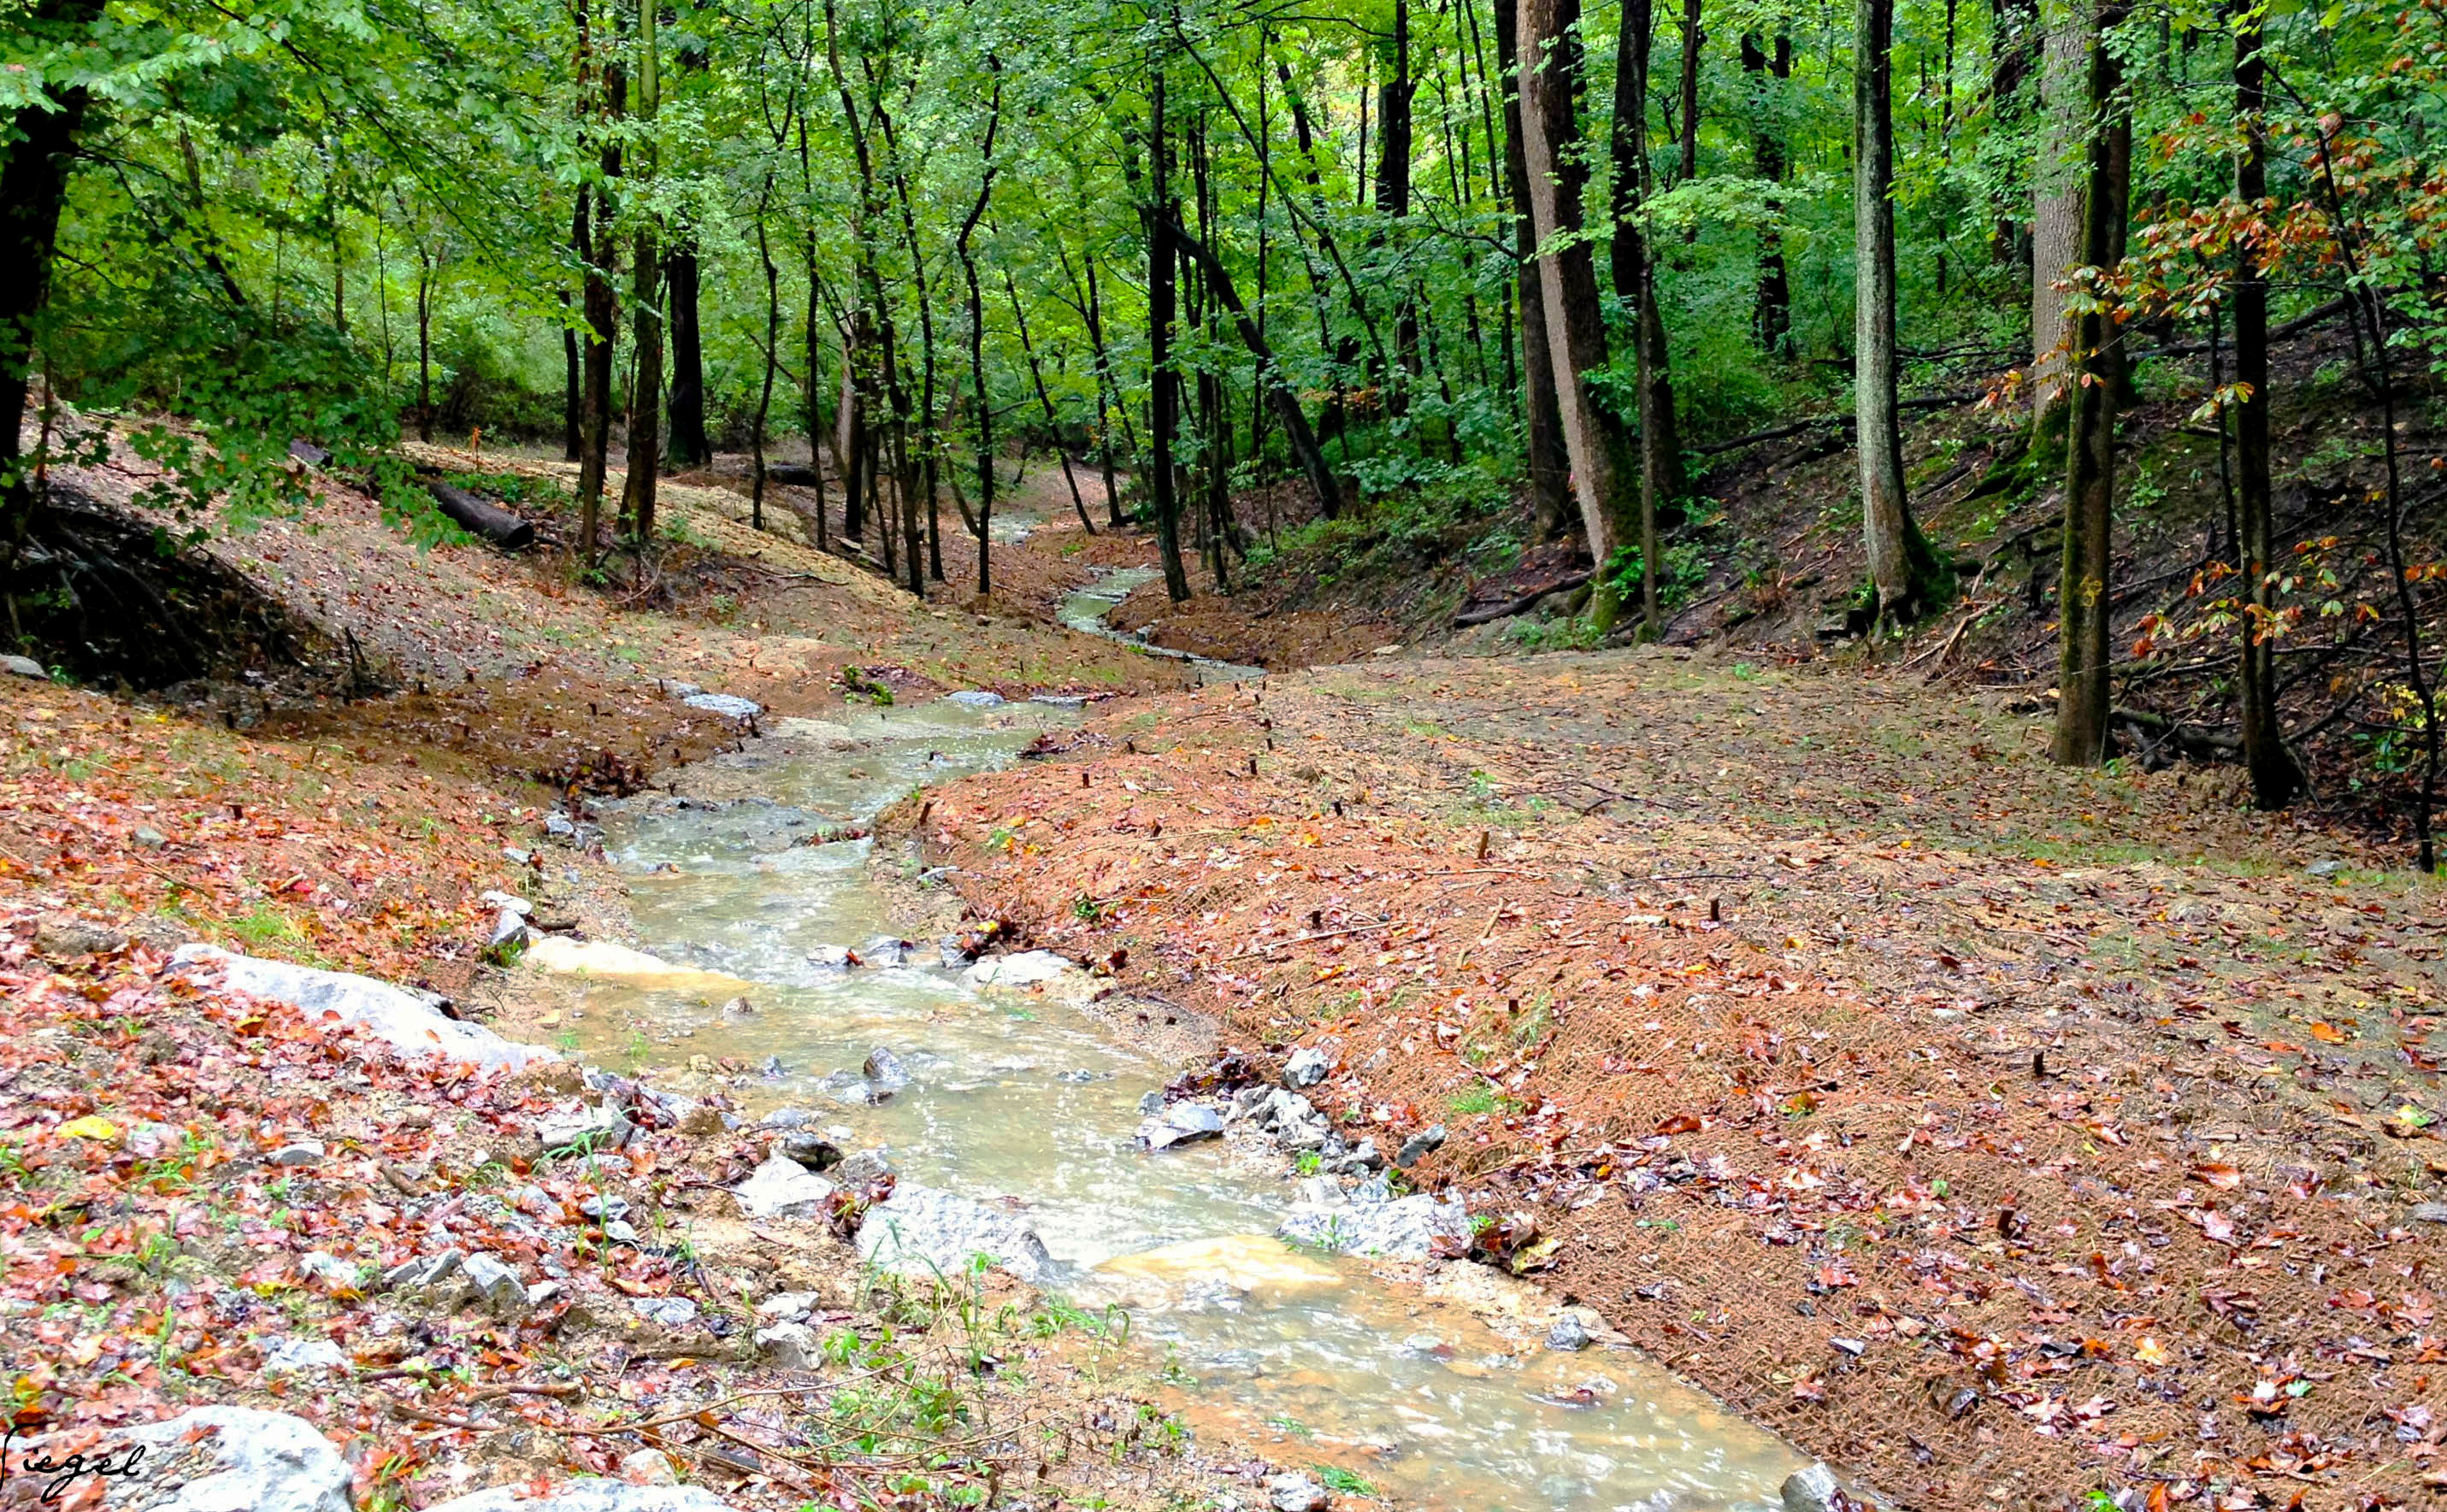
pixel 91 1126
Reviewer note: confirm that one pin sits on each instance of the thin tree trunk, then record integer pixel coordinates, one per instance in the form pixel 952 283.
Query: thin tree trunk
pixel 1635 280
pixel 773 355
pixel 573 396
pixel 2084 608
pixel 1159 217
pixel 1393 197
pixel 2276 777
pixel 1772 322
pixel 1045 401
pixel 1278 392
pixel 2057 219
pixel 1575 320
pixel 423 343
pixel 1692 37
pixel 690 447
pixel 977 342
pixel 1550 494
pixel 1904 570
pixel 645 393
pixel 813 332
pixel 602 330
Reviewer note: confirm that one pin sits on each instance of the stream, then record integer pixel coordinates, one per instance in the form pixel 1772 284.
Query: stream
pixel 1313 1359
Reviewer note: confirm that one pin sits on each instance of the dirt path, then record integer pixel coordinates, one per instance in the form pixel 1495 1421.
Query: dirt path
pixel 1998 1131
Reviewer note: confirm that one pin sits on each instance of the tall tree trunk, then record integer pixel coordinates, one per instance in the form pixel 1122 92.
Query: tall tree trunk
pixel 1772 322
pixel 1551 492
pixel 1692 37
pixel 2084 605
pixel 423 343
pixel 645 393
pixel 602 328
pixel 1903 569
pixel 773 358
pixel 690 447
pixel 2013 44
pixel 977 343
pixel 1575 320
pixel 572 397
pixel 1393 197
pixel 2056 217
pixel 814 394
pixel 2276 777
pixel 33 186
pixel 1635 283
pixel 1164 400
pixel 925 459
pixel 1278 392
pixel 1045 401
pixel 1107 388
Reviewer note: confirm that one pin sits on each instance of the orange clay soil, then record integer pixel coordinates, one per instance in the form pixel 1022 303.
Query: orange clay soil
pixel 2000 1132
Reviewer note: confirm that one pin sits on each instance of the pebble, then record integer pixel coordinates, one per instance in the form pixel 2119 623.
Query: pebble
pixel 305 1152
pixel 648 1467
pixel 671 1312
pixel 1419 1146
pixel 1307 1066
pixel 149 838
pixel 299 1356
pixel 1567 1336
pixel 791 1346
pixel 2428 1213
pixel 1294 1492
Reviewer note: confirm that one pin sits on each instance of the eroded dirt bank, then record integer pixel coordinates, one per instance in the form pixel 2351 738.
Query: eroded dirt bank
pixel 1998 1131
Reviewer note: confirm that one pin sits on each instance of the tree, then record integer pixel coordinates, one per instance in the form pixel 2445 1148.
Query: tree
pixel 1635 284
pixel 1904 574
pixel 645 393
pixel 2276 777
pixel 1550 494
pixel 2084 610
pixel 1575 337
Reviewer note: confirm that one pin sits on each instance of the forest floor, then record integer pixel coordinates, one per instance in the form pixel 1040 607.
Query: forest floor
pixel 1998 1132
pixel 199 1192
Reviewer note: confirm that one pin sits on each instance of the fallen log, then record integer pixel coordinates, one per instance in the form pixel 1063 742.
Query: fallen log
pixel 483 517
pixel 792 475
pixel 1522 605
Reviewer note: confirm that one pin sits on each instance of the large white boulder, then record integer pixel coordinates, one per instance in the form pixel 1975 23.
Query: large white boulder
pixel 253 1462
pixel 389 1014
pixel 1404 1228
pixel 783 1188
pixel 921 1230
pixel 1040 972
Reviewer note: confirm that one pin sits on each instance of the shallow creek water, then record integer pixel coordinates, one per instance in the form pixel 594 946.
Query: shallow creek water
pixel 1025 1100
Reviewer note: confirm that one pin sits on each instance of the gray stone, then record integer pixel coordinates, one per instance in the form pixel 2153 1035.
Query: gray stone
pixel 330 1269
pixel 1418 1145
pixel 2324 868
pixel 809 1149
pixel 261 1461
pixel 791 1346
pixel 1307 1066
pixel 728 706
pixel 507 902
pixel 588 1495
pixel 790 1118
pixel 509 929
pixel 1152 1103
pixel 885 949
pixel 1812 1488
pixel 1180 1123
pixel 1040 972
pixel 1568 1334
pixel 921 1231
pixel 543 1295
pixel 495 1287
pixel 576 1129
pixel 1060 700
pixel 149 838
pixel 23 667
pixel 738 1008
pixel 865 1168
pixel 1407 1228
pixel 299 1356
pixel 975 698
pixel 648 1467
pixel 1359 1158
pixel 784 1188
pixel 2428 1213
pixel 604 1209
pixel 885 1072
pixel 785 1307
pixel 304 1152
pixel 671 1312
pixel 621 1231
pixel 1295 1492
pixel 832 958
pixel 388 1013
pixel 428 1277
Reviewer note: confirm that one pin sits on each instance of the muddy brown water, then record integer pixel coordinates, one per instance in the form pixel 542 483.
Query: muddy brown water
pixel 1443 1393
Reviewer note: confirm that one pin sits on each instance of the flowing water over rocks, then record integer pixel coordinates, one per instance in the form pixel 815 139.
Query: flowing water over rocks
pixel 1013 1120
pixel 1087 609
